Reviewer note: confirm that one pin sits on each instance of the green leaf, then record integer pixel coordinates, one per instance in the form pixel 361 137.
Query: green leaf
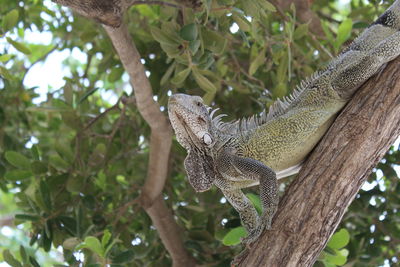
pixel 16 175
pixel 5 73
pixel 181 76
pixel 243 23
pixel 17 160
pixel 168 74
pixel 267 5
pixel 75 184
pixel 23 254
pixel 194 46
pixel 38 167
pixel 33 261
pixel 71 243
pixel 115 74
pixel 257 62
pixel 93 244
pixel 300 31
pixel 189 32
pixel 10 20
pixel 46 241
pixel 124 257
pixel 162 36
pixel 5 57
pixel 344 32
pixel 35 152
pixel 339 239
pixel 208 97
pixel 19 46
pixel 9 258
pixel 203 82
pixel 233 236
pixel 106 238
pixel 255 200
pixel 109 247
pixel 65 152
pixel 45 193
pixel 27 217
pixel 57 162
pixel 335 259
pixel 171 50
pixel 213 41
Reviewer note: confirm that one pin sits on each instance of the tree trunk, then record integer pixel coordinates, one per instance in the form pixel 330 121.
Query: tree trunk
pixel 315 202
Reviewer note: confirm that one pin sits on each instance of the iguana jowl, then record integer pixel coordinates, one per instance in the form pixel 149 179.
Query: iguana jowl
pixel 235 155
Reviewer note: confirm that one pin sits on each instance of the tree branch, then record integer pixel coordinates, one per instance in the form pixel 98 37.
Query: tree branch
pixel 160 146
pixel 161 132
pixel 315 202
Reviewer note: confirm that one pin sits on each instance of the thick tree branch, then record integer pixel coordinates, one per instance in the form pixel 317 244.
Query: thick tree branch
pixel 161 132
pixel 315 202
pixel 160 146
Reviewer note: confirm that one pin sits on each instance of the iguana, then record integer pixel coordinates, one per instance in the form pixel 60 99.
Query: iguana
pixel 262 149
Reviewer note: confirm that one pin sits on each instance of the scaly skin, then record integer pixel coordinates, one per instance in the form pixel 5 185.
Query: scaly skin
pixel 236 155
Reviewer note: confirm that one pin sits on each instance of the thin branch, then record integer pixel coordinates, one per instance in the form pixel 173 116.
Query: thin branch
pixel 101 115
pixel 237 64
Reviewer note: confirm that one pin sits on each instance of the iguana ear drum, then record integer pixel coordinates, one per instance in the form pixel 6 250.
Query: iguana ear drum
pixel 200 171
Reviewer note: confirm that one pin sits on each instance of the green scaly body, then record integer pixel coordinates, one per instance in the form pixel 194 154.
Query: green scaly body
pixel 286 140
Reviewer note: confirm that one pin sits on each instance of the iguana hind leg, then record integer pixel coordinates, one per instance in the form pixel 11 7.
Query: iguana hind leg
pixel 230 165
pixel 247 212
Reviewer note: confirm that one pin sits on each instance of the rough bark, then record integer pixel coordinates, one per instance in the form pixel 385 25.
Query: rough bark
pixel 315 202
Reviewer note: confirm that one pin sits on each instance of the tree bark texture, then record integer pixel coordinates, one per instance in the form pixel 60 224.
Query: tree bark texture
pixel 316 200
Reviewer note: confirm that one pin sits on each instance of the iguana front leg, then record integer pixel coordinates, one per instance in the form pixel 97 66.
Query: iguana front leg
pixel 239 172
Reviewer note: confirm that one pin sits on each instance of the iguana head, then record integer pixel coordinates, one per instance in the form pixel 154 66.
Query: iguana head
pixel 192 123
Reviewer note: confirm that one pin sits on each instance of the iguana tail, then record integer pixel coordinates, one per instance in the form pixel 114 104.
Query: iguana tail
pixel 377 45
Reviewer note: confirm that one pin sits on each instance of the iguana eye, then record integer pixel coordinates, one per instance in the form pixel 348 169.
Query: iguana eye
pixel 207 139
pixel 198 104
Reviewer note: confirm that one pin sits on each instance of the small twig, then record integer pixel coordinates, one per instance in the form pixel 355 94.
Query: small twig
pixel 122 210
pixel 237 64
pixel 328 18
pixel 89 61
pixel 101 115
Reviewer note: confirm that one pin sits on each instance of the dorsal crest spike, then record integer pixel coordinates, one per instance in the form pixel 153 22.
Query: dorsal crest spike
pixel 276 109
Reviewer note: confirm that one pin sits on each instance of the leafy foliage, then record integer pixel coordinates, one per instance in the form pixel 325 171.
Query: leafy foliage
pixel 74 163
